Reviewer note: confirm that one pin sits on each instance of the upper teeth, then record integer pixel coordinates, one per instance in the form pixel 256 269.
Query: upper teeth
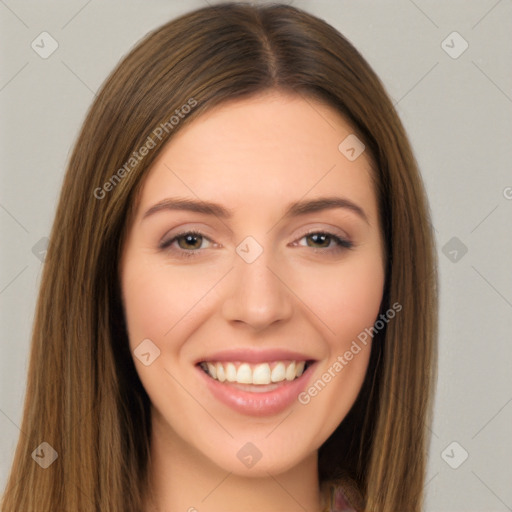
pixel 245 373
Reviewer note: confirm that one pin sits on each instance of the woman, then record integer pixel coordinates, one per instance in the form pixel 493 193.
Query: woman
pixel 190 351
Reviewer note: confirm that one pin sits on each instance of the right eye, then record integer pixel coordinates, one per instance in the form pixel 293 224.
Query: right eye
pixel 189 243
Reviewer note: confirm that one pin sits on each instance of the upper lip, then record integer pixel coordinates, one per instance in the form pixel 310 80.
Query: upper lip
pixel 254 356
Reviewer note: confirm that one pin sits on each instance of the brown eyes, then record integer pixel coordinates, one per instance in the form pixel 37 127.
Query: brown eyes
pixel 189 243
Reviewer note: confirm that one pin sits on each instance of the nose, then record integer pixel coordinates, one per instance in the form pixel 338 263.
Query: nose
pixel 257 295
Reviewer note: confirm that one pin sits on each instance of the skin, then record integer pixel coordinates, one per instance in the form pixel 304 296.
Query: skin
pixel 253 156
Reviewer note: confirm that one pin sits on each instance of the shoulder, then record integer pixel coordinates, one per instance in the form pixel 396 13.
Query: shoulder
pixel 341 501
pixel 344 496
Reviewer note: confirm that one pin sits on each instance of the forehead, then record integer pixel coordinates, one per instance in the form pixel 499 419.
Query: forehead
pixel 259 152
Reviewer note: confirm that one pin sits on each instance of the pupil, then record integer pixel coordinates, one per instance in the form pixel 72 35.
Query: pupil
pixel 189 240
pixel 315 238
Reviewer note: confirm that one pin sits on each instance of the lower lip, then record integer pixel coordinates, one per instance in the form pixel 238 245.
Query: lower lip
pixel 256 403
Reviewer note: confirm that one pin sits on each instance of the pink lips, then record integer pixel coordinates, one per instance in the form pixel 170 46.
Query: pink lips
pixel 255 356
pixel 262 403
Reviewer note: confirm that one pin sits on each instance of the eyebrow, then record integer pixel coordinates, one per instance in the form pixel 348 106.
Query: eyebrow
pixel 293 209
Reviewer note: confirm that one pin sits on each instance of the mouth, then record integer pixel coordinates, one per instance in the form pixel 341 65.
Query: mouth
pixel 258 388
pixel 261 374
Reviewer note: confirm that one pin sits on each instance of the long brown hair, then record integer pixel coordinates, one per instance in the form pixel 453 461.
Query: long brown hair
pixel 83 395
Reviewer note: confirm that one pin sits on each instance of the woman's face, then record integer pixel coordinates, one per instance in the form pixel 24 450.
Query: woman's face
pixel 244 333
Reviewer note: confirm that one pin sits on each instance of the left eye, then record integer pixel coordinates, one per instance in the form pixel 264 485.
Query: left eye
pixel 324 239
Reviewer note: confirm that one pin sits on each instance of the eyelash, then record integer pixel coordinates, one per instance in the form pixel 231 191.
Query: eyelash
pixel 341 243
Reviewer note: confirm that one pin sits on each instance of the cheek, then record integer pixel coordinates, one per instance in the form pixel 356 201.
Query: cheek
pixel 344 297
pixel 156 299
pixel 145 301
pixel 359 294
pixel 348 306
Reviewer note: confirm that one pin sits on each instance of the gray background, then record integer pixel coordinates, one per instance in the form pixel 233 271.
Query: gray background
pixel 458 113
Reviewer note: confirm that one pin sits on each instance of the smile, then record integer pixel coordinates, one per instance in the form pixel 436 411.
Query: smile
pixel 257 374
pixel 256 383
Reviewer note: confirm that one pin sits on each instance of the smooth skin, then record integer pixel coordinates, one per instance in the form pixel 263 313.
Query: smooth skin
pixel 303 293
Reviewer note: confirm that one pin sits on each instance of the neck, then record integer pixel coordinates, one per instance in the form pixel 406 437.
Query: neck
pixel 183 479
